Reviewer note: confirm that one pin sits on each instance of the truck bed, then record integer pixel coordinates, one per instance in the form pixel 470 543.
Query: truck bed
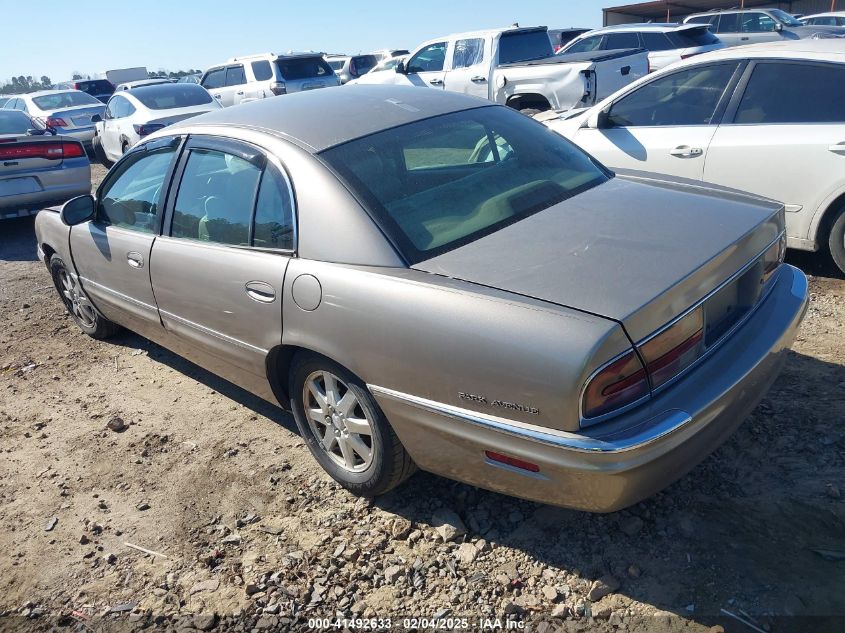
pixel 589 56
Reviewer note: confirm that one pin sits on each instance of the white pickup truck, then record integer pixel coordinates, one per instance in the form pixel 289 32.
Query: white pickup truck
pixel 517 67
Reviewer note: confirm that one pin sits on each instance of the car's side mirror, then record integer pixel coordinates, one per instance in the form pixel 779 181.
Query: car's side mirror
pixel 778 26
pixel 96 118
pixel 401 68
pixel 78 210
pixel 599 119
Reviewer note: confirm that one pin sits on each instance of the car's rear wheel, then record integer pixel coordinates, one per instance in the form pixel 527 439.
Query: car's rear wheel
pixel 80 308
pixel 836 240
pixel 345 429
pixel 100 153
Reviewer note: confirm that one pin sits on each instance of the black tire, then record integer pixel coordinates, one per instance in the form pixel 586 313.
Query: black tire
pixel 100 153
pixel 86 316
pixel 390 464
pixel 836 240
pixel 530 112
pixel 124 146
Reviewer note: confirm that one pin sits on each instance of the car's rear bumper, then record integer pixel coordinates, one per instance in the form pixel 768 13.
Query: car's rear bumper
pixel 44 188
pixel 617 464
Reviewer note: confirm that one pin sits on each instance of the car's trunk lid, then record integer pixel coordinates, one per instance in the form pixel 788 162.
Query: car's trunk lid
pixel 11 164
pixel 635 250
pixel 78 117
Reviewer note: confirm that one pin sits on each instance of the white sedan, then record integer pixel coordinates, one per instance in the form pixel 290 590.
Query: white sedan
pixel 132 114
pixel 768 119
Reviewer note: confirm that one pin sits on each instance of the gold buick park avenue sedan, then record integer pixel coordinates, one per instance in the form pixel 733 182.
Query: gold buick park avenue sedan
pixel 429 280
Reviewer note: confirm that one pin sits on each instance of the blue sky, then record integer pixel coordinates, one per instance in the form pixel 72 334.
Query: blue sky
pixel 64 36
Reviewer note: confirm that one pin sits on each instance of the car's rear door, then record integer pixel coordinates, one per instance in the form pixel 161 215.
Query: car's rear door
pixel 233 91
pixel 111 253
pixel 784 137
pixel 218 269
pixel 664 125
pixel 469 71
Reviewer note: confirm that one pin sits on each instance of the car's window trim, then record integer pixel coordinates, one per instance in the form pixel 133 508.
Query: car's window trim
pixel 720 105
pixel 731 112
pixel 253 154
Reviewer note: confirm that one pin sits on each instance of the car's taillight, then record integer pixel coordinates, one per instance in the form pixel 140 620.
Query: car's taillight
pixel 147 128
pixel 674 349
pixel 278 88
pixel 53 151
pixel 773 258
pixel 616 385
pixel 54 121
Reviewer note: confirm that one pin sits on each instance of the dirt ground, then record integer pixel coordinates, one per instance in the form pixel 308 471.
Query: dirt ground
pixel 247 533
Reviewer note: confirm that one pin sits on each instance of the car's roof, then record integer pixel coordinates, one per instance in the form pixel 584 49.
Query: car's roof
pixel 832 49
pixel 319 119
pixel 823 15
pixel 661 27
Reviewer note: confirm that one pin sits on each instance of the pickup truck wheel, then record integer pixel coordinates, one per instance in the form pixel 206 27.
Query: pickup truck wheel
pixel 100 153
pixel 345 429
pixel 77 304
pixel 836 240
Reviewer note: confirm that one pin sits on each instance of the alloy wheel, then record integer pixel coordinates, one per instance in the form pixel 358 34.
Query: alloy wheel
pixel 76 301
pixel 338 422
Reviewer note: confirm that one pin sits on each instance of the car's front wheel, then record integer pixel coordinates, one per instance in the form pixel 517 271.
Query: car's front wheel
pixel 77 303
pixel 836 240
pixel 345 429
pixel 100 152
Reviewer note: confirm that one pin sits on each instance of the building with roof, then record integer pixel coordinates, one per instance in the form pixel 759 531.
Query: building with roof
pixel 677 10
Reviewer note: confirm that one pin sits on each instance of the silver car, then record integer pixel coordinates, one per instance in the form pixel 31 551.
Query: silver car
pixel 349 67
pixel 37 169
pixel 430 280
pixel 752 26
pixel 68 112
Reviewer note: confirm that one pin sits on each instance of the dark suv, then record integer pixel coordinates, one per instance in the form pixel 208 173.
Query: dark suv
pixel 100 89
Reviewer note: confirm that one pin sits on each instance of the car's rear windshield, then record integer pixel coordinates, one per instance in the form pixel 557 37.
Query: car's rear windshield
pixel 69 99
pixel 337 64
pixel 688 38
pixel 437 184
pixel 524 46
pixel 95 86
pixel 15 122
pixel 303 68
pixel 364 63
pixel 167 96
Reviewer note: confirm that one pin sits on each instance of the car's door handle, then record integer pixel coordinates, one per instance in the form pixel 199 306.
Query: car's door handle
pixel 241 92
pixel 436 82
pixel 217 96
pixel 744 39
pixel 685 151
pixel 479 79
pixel 839 148
pixel 134 259
pixel 625 70
pixel 260 291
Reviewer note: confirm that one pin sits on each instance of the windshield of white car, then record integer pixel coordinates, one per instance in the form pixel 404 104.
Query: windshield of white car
pixel 69 99
pixel 785 18
pixel 524 46
pixel 15 122
pixel 168 96
pixel 440 183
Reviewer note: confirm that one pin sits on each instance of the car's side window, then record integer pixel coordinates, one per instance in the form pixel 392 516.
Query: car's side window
pixel 586 45
pixel 262 70
pixel 686 97
pixel 468 53
pixel 614 41
pixel 235 75
pixel 109 113
pixel 214 79
pixel 816 94
pixel 216 198
pixel 656 42
pixel 273 213
pixel 756 22
pixel 729 23
pixel 430 59
pixel 132 198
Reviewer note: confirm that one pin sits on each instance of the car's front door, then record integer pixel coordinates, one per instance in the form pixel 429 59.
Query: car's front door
pixel 219 268
pixel 427 67
pixel 470 68
pixel 665 125
pixel 784 138
pixel 111 253
pixel 214 81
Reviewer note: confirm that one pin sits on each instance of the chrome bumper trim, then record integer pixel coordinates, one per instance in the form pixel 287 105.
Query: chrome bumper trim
pixel 641 435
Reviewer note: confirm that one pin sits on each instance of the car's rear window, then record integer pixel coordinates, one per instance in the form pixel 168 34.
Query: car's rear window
pixel 336 64
pixel 95 86
pixel 15 122
pixel 167 96
pixel 364 63
pixel 437 184
pixel 68 99
pixel 688 38
pixel 304 68
pixel 524 46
